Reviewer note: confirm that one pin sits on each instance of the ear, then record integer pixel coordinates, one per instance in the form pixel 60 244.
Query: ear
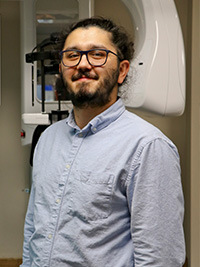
pixel 60 68
pixel 123 70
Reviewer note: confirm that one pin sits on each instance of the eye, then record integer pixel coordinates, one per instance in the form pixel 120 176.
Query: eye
pixel 72 55
pixel 97 54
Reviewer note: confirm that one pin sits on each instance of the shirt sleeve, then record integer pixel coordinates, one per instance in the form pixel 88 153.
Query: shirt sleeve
pixel 157 206
pixel 28 230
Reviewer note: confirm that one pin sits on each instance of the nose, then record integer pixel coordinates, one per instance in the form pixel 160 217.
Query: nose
pixel 84 64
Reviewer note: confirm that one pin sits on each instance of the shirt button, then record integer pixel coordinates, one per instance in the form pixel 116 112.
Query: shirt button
pixel 80 135
pixel 94 129
pixel 49 236
pixel 68 166
pixel 58 201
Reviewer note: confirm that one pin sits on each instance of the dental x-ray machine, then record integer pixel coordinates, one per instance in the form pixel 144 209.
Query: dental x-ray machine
pixel 158 70
pixel 157 74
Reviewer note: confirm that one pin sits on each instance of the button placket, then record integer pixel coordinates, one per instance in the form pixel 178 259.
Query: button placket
pixel 62 185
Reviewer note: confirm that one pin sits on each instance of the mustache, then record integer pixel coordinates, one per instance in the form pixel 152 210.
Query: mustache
pixel 84 74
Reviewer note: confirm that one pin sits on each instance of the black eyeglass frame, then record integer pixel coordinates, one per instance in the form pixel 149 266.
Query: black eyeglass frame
pixel 86 53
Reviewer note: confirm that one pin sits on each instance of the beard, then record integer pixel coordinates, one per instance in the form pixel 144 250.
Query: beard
pixel 97 98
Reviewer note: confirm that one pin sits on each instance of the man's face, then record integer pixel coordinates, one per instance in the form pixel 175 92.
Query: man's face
pixel 88 85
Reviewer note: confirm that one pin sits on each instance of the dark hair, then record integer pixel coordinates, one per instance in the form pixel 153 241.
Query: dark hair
pixel 120 38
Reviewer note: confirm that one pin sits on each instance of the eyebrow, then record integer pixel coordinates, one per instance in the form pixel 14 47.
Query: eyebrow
pixel 89 47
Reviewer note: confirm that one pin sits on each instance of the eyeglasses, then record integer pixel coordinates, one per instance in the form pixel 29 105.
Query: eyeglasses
pixel 95 57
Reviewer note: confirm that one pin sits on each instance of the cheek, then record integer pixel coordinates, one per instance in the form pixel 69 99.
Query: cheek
pixel 66 73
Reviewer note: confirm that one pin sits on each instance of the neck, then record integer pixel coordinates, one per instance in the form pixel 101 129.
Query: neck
pixel 84 115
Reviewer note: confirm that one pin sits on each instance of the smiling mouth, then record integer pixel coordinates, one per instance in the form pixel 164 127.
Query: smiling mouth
pixel 84 77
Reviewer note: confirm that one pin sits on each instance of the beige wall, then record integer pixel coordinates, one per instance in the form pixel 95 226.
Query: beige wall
pixel 14 167
pixel 195 134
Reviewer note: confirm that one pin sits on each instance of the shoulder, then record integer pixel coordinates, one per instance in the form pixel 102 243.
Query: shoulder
pixel 55 129
pixel 138 127
pixel 142 133
pixel 53 135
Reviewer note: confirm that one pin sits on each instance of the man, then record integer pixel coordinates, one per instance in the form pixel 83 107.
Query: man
pixel 106 184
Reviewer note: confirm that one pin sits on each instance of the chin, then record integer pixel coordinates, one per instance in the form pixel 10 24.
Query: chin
pixel 86 88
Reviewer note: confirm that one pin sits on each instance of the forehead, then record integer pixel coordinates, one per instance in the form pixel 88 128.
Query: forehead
pixel 88 38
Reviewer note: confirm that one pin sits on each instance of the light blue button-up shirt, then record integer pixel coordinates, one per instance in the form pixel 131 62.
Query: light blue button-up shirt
pixel 108 195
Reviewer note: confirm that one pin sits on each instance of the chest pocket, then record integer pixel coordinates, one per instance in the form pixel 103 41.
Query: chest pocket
pixel 89 195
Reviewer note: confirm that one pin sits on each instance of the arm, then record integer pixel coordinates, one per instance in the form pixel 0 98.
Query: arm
pixel 28 230
pixel 157 207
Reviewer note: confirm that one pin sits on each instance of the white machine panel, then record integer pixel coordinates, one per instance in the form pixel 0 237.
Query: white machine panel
pixel 157 75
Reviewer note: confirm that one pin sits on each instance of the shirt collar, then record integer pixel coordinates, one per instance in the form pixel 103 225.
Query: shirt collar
pixel 100 121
